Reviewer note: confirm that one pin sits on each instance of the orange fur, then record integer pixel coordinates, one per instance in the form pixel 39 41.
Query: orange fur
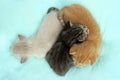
pixel 88 51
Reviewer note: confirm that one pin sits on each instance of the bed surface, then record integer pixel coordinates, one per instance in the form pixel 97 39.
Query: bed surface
pixel 25 16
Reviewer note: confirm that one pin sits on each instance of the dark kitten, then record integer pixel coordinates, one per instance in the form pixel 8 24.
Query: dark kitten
pixel 58 56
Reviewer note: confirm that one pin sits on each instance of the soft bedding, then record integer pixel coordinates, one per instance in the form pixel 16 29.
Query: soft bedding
pixel 25 17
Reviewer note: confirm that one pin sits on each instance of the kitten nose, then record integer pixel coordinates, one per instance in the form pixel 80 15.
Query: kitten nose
pixel 52 9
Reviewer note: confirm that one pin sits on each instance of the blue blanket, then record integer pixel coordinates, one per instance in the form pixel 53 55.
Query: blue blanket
pixel 25 17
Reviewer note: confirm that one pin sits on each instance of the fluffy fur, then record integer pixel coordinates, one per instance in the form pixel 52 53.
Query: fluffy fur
pixel 88 51
pixel 58 57
pixel 40 43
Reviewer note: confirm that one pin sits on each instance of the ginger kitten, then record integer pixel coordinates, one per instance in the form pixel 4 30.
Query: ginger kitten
pixel 88 51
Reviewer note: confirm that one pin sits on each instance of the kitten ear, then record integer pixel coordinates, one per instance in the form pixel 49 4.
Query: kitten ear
pixel 21 37
pixel 69 23
pixel 23 59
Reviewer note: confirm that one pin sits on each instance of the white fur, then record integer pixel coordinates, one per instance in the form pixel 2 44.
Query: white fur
pixel 41 43
pixel 47 34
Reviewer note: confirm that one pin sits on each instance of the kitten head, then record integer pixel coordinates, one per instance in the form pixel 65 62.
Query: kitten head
pixel 74 33
pixel 84 32
pixel 22 48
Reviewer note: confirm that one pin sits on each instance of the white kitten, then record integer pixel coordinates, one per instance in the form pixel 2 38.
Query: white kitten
pixel 41 43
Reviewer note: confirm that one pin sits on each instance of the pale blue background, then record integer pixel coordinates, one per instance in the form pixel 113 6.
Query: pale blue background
pixel 25 16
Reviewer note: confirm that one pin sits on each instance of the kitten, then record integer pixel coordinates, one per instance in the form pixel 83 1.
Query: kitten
pixel 40 43
pixel 88 51
pixel 58 56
